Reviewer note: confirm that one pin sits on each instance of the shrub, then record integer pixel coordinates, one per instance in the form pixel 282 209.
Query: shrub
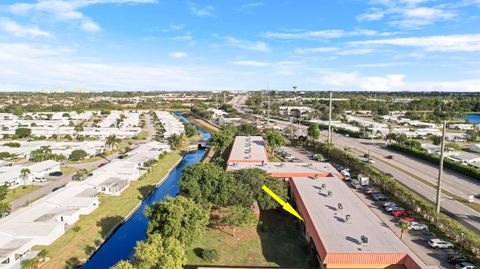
pixel 23 132
pixel 210 254
pixel 77 155
pixel 12 144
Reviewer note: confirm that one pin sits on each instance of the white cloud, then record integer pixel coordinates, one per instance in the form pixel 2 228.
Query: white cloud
pixel 354 81
pixel 250 6
pixel 178 54
pixel 325 34
pixel 185 37
pixel 379 65
pixel 22 31
pixel 335 50
pixel 252 63
pixel 248 45
pixel 440 43
pixel 317 50
pixel 203 11
pixel 90 26
pixel 374 16
pixel 63 10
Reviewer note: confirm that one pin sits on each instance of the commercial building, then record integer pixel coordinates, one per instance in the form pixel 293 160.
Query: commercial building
pixel 248 149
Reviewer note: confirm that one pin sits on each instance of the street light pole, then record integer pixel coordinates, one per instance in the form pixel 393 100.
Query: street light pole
pixel 440 169
pixel 330 120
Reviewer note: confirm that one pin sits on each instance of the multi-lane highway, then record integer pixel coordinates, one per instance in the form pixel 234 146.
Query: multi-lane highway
pixel 418 175
pixel 411 172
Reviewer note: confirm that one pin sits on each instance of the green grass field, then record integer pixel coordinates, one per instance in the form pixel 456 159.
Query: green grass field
pixel 75 246
pixel 282 245
pixel 18 192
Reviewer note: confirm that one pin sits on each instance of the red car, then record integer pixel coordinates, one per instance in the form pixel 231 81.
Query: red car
pixel 408 219
pixel 399 213
pixel 100 165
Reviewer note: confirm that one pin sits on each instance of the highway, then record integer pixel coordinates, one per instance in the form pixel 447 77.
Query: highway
pixel 408 170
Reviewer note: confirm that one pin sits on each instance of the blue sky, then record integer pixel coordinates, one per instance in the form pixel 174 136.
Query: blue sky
pixel 232 44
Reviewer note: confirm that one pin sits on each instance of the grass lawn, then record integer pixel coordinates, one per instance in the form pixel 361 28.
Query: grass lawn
pixel 18 192
pixel 89 160
pixel 281 245
pixel 74 247
pixel 142 135
pixel 67 170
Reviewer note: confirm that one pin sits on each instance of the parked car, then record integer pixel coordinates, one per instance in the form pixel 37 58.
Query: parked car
pixel 57 188
pixel 399 213
pixel 55 174
pixel 458 258
pixel 386 204
pixel 438 243
pixel 465 265
pixel 371 161
pixel 40 180
pixel 392 208
pixel 390 157
pixel 380 197
pixel 416 226
pixel 370 190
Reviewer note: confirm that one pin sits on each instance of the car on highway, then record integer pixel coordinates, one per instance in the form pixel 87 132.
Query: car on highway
pixel 417 226
pixel 102 164
pixel 389 157
pixel 458 258
pixel 465 265
pixel 399 213
pixel 371 161
pixel 57 188
pixel 438 243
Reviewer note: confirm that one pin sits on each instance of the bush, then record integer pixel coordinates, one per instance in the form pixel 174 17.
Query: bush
pixel 210 254
pixel 77 155
pixel 12 144
pixel 23 132
pixel 4 155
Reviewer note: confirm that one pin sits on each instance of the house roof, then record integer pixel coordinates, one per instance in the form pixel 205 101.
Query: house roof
pixel 248 149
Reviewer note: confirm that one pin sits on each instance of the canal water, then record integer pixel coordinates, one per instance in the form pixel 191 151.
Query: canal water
pixel 120 245
pixel 473 118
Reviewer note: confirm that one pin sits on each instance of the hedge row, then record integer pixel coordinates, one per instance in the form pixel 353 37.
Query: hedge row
pixel 409 199
pixel 455 166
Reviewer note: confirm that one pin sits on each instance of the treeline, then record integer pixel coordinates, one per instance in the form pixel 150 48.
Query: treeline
pixel 178 223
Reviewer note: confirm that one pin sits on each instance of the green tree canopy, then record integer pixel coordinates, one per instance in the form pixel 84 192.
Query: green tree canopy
pixel 190 130
pixel 77 155
pixel 23 132
pixel 274 139
pixel 313 131
pixel 158 252
pixel 180 218
pixel 223 138
pixel 247 129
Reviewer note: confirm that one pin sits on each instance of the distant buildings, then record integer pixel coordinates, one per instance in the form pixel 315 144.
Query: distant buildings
pixel 11 176
pixel 171 124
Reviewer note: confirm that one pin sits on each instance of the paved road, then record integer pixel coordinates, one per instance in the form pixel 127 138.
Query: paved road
pixel 150 127
pixel 463 213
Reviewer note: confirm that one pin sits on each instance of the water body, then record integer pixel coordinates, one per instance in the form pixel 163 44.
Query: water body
pixel 120 245
pixel 473 118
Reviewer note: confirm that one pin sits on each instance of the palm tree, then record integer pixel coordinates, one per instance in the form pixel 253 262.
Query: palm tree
pixel 42 254
pixel 30 263
pixel 404 226
pixel 112 141
pixel 24 174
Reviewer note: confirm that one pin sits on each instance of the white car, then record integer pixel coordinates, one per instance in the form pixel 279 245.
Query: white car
pixel 416 226
pixel 438 243
pixel 387 204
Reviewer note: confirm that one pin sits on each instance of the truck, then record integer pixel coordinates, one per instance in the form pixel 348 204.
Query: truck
pixel 363 180
pixel 346 175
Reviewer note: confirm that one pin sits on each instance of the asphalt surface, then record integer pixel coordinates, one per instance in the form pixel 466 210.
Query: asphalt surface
pixel 403 167
pixel 415 240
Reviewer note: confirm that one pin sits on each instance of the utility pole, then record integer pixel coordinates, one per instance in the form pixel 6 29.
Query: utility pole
pixel 330 120
pixel 268 109
pixel 440 169
pixel 216 100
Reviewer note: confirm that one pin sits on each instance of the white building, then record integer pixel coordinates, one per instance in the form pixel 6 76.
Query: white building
pixel 474 147
pixel 171 124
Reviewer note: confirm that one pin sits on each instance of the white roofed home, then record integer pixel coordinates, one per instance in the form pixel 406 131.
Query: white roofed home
pixel 474 147
pixel 42 169
pixel 121 168
pixel 108 183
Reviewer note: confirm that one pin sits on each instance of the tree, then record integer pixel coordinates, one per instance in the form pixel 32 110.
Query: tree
pixel 4 207
pixel 436 140
pixel 23 132
pixel 42 254
pixel 77 155
pixel 247 129
pixel 278 187
pixel 175 141
pixel 404 225
pixel 223 138
pixel 313 131
pixel 390 137
pixel 123 265
pixel 190 130
pixel 473 134
pixel 238 216
pixel 274 139
pixel 112 141
pixel 180 218
pixel 159 252
pixel 24 174
pixel 30 263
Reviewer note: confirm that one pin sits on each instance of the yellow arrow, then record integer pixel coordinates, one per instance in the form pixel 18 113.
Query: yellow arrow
pixel 286 206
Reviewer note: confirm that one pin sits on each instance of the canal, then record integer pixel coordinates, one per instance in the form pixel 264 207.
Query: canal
pixel 120 245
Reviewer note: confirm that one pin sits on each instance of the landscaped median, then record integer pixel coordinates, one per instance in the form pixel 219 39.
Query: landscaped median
pixel 79 242
pixel 454 230
pixel 455 166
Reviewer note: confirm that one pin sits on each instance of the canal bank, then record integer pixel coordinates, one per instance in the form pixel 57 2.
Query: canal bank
pixel 120 244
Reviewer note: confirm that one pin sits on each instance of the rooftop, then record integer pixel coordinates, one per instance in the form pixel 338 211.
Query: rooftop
pixel 289 169
pixel 248 149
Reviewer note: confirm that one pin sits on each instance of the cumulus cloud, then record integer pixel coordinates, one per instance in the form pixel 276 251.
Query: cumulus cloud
pixel 246 44
pixel 203 11
pixel 22 31
pixel 178 54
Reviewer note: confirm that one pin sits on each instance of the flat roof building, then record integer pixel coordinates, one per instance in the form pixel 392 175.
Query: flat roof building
pixel 248 149
pixel 344 231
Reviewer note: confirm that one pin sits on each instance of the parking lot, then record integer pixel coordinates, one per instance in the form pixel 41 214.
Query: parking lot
pixel 417 241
